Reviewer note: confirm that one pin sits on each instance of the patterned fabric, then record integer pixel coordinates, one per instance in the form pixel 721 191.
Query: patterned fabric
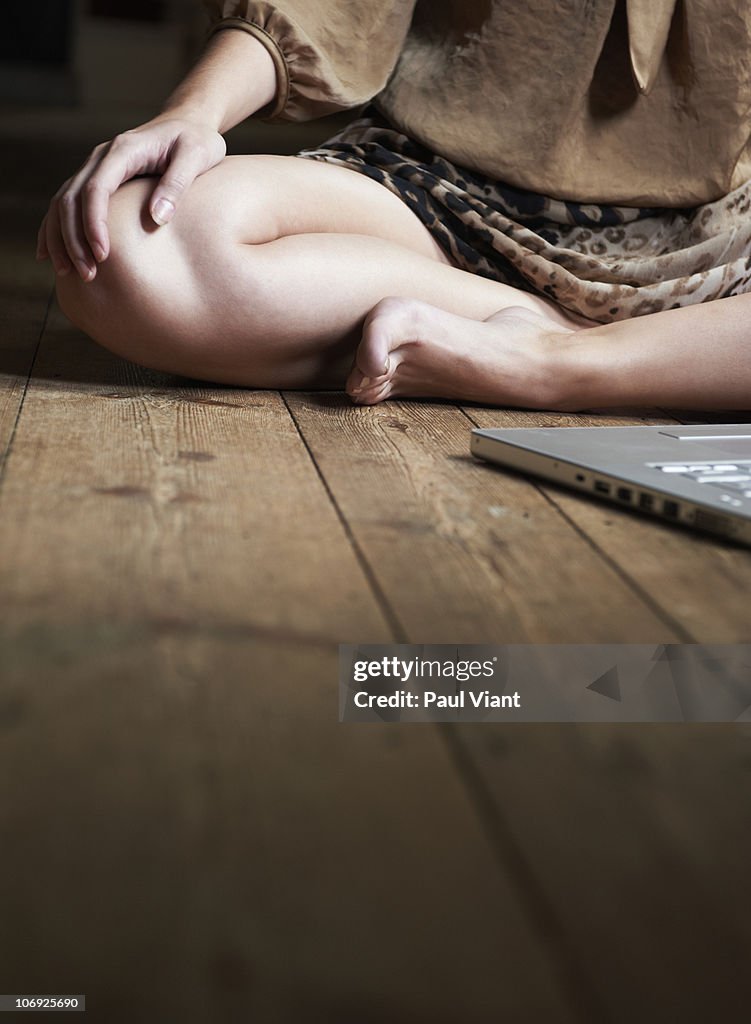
pixel 604 262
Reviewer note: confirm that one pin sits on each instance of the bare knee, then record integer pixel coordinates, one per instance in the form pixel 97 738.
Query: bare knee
pixel 143 300
pixel 190 298
pixel 90 304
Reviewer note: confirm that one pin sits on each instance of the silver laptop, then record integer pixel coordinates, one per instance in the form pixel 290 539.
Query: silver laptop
pixel 697 476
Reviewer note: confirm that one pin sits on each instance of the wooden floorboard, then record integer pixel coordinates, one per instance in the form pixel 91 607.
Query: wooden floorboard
pixel 199 504
pixel 599 825
pixel 185 811
pixel 25 290
pixel 463 554
pixel 174 579
pixel 698 585
pixel 639 839
pixel 177 802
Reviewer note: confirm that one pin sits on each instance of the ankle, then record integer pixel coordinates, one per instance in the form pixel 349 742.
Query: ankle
pixel 570 370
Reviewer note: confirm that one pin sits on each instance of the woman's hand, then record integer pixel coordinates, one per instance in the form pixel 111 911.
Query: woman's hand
pixel 74 231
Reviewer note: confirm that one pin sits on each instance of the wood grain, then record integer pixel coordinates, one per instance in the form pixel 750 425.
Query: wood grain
pixel 178 805
pixel 639 837
pixel 24 296
pixel 188 831
pixel 697 584
pixel 155 501
pixel 464 555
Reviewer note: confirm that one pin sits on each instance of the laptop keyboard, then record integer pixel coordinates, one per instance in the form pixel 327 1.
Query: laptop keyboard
pixel 732 477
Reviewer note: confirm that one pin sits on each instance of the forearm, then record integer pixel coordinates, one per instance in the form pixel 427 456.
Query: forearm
pixel 234 78
pixel 696 357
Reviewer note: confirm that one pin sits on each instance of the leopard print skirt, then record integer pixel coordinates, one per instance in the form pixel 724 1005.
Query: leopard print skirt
pixel 603 262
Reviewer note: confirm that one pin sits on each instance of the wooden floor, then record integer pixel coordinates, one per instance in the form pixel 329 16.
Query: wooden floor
pixel 188 834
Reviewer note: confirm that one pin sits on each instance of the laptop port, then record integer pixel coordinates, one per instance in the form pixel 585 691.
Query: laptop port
pixel 624 493
pixel 670 509
pixel 709 521
pixel 601 487
pixel 646 501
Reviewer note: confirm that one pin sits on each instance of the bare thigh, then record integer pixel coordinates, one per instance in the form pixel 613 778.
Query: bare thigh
pixel 266 273
pixel 257 199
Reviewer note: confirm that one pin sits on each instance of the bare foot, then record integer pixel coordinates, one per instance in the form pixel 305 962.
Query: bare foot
pixel 410 349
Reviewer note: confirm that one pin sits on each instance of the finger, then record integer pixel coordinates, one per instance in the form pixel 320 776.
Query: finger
pixel 71 227
pixel 84 204
pixel 94 232
pixel 187 161
pixel 69 199
pixel 83 210
pixel 114 168
pixel 43 250
pixel 94 210
pixel 55 243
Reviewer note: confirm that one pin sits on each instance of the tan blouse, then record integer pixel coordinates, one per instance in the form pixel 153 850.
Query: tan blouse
pixel 639 102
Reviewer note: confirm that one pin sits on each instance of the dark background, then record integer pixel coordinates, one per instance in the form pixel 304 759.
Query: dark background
pixel 74 73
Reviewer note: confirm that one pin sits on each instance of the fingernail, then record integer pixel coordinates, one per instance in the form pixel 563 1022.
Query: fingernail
pixel 387 365
pixel 86 272
pixel 162 211
pixel 356 391
pixel 62 269
pixel 366 382
pixel 99 253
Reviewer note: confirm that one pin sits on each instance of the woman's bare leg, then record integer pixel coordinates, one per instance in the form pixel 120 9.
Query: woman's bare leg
pixel 267 273
pixel 695 357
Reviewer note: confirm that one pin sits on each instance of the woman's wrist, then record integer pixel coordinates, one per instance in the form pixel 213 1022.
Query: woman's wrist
pixel 234 78
pixel 195 113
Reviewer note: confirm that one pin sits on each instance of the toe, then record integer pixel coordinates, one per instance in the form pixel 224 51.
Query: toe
pixel 373 362
pixel 357 383
pixel 381 332
pixel 391 324
pixel 378 392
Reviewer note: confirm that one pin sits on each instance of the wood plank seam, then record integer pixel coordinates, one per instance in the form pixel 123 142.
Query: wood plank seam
pixel 9 446
pixel 510 859
pixel 584 998
pixel 396 627
pixel 681 632
pixel 639 591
